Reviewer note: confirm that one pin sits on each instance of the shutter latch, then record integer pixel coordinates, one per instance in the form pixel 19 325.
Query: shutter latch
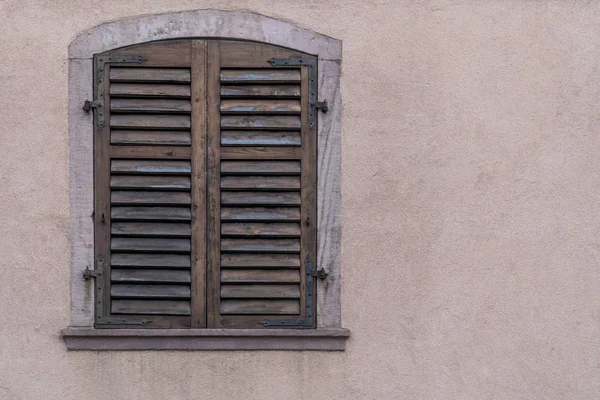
pixel 322 105
pixel 319 273
pixel 88 105
pixel 94 273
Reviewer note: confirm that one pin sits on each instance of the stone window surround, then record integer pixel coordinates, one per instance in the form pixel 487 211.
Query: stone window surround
pixel 81 334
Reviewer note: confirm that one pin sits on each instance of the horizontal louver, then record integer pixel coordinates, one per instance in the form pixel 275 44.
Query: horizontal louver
pixel 150 192
pixel 260 195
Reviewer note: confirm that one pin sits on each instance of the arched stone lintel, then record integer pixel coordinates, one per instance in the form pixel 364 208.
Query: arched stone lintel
pixel 207 24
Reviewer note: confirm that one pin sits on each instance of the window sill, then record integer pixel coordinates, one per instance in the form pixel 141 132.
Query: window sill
pixel 324 339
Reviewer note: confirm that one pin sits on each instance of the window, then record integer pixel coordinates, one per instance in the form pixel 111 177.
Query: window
pixel 205 186
pixel 213 206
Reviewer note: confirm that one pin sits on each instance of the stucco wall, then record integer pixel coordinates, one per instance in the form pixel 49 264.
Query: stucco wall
pixel 471 211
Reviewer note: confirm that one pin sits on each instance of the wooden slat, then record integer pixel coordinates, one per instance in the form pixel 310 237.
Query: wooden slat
pixel 260 122
pixel 260 198
pixel 260 276
pixel 159 121
pixel 280 91
pixel 260 229
pixel 260 138
pixel 260 245
pixel 150 291
pixel 151 229
pixel 158 167
pixel 154 275
pixel 199 132
pixel 262 75
pixel 168 53
pixel 258 153
pixel 150 260
pixel 150 198
pixel 149 90
pixel 153 307
pixel 260 106
pixel 159 75
pixel 159 138
pixel 151 105
pixel 260 167
pixel 150 213
pixel 260 214
pixel 275 307
pixel 213 205
pixel 150 182
pixel 260 260
pixel 260 291
pixel 150 245
pixel 259 182
pixel 168 152
pixel 252 54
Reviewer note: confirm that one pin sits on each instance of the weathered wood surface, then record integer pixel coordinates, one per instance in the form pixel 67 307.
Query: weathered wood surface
pixel 145 306
pixel 275 307
pixel 260 276
pixel 150 260
pixel 151 229
pixel 260 291
pixel 260 182
pixel 261 229
pixel 150 182
pixel 256 122
pixel 158 167
pixel 150 276
pixel 149 198
pixel 160 121
pixel 260 245
pixel 156 291
pixel 260 214
pixel 260 198
pixel 279 91
pixel 260 167
pixel 142 137
pixel 260 106
pixel 149 90
pixel 150 245
pixel 159 105
pixel 260 260
pixel 262 75
pixel 260 138
pixel 152 75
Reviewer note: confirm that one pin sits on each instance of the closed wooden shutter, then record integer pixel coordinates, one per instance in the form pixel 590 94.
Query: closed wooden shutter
pixel 205 186
pixel 144 218
pixel 262 188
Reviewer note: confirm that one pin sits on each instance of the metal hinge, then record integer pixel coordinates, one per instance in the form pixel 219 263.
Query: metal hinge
pixel 121 321
pixel 307 321
pixel 88 105
pixel 320 273
pixel 91 273
pixel 98 103
pixel 311 64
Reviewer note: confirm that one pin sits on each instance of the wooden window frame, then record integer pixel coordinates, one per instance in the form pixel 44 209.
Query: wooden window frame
pixel 81 335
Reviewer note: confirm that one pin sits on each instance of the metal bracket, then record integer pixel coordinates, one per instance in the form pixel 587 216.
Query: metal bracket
pixel 311 64
pixel 91 273
pixel 121 321
pixel 320 274
pixel 88 105
pixel 307 321
pixel 100 65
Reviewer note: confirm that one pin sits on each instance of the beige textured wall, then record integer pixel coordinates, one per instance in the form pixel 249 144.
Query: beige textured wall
pixel 471 215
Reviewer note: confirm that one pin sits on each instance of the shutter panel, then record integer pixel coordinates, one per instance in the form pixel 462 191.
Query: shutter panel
pixel 144 220
pixel 261 188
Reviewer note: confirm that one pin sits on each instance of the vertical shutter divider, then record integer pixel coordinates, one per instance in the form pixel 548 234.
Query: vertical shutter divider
pixel 199 133
pixel 213 183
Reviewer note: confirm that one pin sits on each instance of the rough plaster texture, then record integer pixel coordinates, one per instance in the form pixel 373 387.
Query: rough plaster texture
pixel 470 208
